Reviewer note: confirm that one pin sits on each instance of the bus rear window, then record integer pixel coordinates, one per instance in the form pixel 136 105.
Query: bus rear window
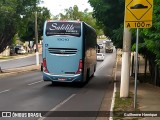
pixel 63 28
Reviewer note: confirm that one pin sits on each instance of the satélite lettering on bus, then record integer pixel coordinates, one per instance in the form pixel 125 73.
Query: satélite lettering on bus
pixel 62 27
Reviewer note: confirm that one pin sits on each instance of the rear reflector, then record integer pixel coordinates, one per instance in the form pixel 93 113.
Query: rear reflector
pixel 45 66
pixel 80 67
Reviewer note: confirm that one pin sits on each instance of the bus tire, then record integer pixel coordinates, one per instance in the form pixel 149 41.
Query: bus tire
pixel 87 77
pixel 92 75
pixel 54 83
pixel 41 68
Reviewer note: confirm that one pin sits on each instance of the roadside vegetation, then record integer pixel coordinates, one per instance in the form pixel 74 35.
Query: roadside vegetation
pixel 5 57
pixel 110 16
pixel 123 105
pixel 18 20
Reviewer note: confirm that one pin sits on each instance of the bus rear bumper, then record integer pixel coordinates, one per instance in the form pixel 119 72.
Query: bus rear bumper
pixel 62 78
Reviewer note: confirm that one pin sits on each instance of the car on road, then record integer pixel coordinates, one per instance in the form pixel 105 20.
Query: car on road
pixel 100 56
pixel 101 45
pixel 98 48
pixel 109 47
pixel 21 51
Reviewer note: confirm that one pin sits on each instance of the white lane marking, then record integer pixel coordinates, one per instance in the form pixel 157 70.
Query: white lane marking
pixel 35 82
pixel 57 106
pixel 100 66
pixel 113 102
pixel 4 91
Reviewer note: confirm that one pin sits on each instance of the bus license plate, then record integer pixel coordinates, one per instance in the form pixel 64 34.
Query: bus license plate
pixel 61 79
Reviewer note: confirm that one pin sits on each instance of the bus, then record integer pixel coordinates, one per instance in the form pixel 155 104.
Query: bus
pixel 69 51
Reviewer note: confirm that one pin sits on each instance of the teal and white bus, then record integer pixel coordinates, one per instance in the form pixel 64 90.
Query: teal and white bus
pixel 69 51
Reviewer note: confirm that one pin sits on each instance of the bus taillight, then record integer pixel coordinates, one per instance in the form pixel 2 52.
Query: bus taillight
pixel 80 67
pixel 45 66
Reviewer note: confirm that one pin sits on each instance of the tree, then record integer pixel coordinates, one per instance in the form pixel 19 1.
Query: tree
pixel 26 29
pixel 11 12
pixel 109 14
pixel 150 43
pixel 73 13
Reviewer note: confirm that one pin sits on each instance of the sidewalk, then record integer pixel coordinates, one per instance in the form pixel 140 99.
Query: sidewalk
pixel 16 71
pixel 19 69
pixel 148 95
pixel 18 56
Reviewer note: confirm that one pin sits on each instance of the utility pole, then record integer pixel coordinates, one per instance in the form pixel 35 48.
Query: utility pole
pixel 125 69
pixel 36 39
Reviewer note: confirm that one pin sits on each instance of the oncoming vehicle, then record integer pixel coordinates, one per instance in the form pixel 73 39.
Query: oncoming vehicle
pixel 108 46
pixel 98 48
pixel 100 56
pixel 101 45
pixel 69 51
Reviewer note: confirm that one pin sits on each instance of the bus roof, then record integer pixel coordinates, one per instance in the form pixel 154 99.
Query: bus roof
pixel 63 21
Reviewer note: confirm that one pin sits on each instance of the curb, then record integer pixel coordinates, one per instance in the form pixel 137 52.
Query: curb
pixel 19 57
pixel 113 102
pixel 19 70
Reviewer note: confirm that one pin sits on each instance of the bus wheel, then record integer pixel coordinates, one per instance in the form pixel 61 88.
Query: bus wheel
pixel 92 75
pixel 54 83
pixel 87 77
pixel 79 84
pixel 41 68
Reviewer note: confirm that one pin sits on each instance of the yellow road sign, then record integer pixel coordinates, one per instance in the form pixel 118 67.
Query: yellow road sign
pixel 138 13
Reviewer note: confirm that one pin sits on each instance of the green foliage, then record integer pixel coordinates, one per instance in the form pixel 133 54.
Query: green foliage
pixel 150 38
pixel 27 26
pixel 73 13
pixel 118 36
pixel 11 11
pixel 110 15
pixel 14 39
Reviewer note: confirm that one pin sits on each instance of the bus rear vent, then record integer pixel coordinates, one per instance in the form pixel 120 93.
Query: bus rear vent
pixel 63 51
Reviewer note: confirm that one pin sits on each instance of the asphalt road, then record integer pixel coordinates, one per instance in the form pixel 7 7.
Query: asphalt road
pixel 28 92
pixel 15 63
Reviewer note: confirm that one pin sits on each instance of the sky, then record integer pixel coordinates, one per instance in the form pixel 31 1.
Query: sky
pixel 58 6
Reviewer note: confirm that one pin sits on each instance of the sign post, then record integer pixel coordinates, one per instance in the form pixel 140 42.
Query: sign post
pixel 136 69
pixel 138 15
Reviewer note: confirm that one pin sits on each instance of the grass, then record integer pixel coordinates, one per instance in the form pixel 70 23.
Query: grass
pixel 5 57
pixel 11 57
pixel 123 105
